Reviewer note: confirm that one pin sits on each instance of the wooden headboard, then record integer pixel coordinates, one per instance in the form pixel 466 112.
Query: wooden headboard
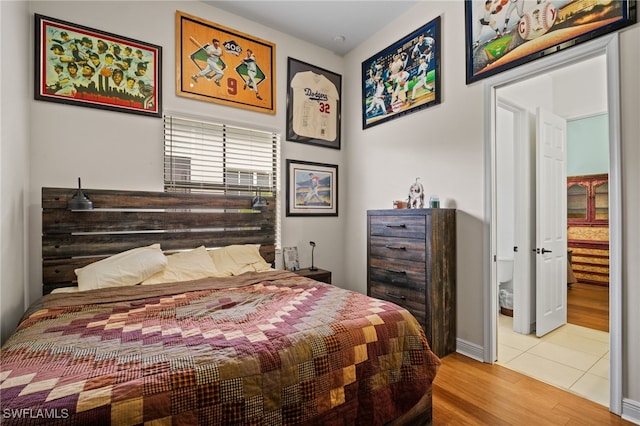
pixel 122 220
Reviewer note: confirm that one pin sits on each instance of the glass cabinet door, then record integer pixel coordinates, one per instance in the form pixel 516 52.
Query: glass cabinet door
pixel 601 201
pixel 577 199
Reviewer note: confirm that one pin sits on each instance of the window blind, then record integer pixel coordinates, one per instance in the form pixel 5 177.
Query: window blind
pixel 203 156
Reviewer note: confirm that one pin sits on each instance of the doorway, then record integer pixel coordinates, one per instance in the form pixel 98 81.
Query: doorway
pixel 607 47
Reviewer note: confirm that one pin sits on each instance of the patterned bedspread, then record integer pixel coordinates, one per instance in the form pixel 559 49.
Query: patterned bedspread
pixel 266 348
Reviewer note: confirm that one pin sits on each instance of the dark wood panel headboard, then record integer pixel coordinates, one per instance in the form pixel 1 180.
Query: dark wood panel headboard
pixel 122 220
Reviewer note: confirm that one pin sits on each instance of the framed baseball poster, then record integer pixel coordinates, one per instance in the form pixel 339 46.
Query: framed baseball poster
pixel 403 78
pixel 225 66
pixel 502 34
pixel 312 189
pixel 313 104
pixel 77 65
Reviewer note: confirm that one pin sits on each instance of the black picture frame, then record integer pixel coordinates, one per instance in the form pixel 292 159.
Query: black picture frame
pixel 383 92
pixel 60 44
pixel 534 30
pixel 314 105
pixel 312 189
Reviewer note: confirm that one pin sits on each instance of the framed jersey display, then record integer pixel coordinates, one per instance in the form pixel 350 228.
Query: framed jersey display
pixel 502 34
pixel 77 65
pixel 225 66
pixel 313 104
pixel 403 78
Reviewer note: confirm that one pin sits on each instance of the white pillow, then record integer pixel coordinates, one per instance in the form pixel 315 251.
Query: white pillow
pixel 130 267
pixel 238 259
pixel 185 266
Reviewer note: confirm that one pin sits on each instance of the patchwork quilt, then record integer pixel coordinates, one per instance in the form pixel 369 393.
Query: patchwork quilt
pixel 269 348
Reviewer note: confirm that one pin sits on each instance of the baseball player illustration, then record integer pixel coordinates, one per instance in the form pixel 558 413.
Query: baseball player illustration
pixel 378 98
pixel 422 78
pixel 252 71
pixel 213 52
pixel 487 20
pixel 313 190
pixel 518 6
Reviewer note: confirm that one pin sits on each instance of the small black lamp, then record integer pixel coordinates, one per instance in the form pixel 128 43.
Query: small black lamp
pixel 313 246
pixel 259 203
pixel 80 201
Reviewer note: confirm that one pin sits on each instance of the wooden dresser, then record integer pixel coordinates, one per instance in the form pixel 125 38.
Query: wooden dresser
pixel 412 262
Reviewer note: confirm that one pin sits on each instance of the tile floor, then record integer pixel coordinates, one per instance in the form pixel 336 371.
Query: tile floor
pixel 571 357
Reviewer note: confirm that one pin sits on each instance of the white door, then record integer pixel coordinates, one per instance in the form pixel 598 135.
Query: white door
pixel 551 222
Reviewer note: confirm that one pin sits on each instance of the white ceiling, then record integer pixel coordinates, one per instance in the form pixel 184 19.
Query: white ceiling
pixel 322 23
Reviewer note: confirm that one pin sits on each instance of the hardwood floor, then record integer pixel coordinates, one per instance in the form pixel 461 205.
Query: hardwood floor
pixel 468 392
pixel 588 306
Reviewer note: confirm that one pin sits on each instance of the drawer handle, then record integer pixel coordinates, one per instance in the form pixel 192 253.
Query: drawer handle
pixel 395 271
pixel 395 296
pixel 391 225
pixel 389 246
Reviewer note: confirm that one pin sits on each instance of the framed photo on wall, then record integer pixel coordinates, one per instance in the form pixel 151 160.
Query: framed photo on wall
pixel 312 189
pixel 403 78
pixel 224 66
pixel 77 65
pixel 502 34
pixel 313 104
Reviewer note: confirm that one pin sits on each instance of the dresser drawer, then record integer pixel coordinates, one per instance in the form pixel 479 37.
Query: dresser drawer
pixel 398 248
pixel 413 227
pixel 409 298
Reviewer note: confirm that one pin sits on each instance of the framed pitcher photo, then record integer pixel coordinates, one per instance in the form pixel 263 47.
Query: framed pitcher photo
pixel 403 78
pixel 312 189
pixel 502 34
pixel 77 65
pixel 218 64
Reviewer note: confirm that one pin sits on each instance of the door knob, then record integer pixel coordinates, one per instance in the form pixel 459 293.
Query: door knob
pixel 546 251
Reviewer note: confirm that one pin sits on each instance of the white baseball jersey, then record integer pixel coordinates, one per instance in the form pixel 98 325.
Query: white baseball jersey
pixel 315 106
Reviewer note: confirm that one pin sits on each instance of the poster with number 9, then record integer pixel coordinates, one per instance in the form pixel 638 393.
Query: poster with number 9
pixel 313 104
pixel 221 65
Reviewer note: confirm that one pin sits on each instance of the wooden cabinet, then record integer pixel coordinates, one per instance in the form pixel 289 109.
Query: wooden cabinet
pixel 588 227
pixel 412 262
pixel 588 200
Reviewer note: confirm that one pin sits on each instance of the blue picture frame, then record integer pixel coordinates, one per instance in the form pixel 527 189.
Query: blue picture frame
pixel 388 94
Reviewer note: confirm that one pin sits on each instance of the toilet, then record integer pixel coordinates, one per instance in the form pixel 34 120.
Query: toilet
pixel 505 285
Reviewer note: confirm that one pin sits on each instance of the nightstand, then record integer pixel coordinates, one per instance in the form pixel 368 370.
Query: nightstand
pixel 318 275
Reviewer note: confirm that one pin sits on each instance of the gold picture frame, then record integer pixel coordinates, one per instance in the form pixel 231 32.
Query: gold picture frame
pixel 218 64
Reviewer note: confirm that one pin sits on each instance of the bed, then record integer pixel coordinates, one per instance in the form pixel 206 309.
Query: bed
pixel 252 346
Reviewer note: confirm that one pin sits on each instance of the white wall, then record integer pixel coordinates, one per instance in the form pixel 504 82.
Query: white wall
pixel 125 151
pixel 14 160
pixel 443 145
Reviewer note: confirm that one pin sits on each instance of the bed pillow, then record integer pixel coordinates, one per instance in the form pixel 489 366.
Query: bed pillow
pixel 238 259
pixel 128 268
pixel 185 266
pixel 248 254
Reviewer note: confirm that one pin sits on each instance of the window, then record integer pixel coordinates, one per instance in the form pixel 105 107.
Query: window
pixel 201 156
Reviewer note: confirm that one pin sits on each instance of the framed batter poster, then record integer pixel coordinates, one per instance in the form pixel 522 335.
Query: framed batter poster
pixel 502 34
pixel 312 189
pixel 403 78
pixel 225 66
pixel 77 65
pixel 313 104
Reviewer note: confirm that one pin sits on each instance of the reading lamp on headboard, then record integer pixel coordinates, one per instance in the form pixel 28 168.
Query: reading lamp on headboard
pixel 80 201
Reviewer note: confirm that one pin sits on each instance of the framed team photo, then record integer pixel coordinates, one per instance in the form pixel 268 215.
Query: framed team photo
pixel 312 189
pixel 502 34
pixel 313 104
pixel 77 65
pixel 403 78
pixel 224 66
